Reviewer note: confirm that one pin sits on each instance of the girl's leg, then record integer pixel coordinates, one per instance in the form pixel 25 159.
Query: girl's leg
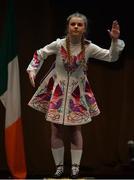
pixel 57 147
pixel 56 136
pixel 76 149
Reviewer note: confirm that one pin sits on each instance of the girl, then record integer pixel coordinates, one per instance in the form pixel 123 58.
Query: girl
pixel 65 94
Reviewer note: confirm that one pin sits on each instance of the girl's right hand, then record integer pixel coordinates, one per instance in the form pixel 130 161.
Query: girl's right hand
pixel 32 77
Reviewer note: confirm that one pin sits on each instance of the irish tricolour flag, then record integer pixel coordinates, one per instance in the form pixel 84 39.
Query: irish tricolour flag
pixel 10 97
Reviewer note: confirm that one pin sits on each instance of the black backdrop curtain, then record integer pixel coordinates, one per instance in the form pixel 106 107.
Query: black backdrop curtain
pixel 106 137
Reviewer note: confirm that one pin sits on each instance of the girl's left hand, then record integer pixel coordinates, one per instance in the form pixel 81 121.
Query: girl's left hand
pixel 115 31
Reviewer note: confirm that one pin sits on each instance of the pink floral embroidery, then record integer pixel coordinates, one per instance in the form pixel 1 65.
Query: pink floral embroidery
pixel 35 61
pixel 48 91
pixel 55 104
pixel 56 101
pixel 58 91
pixel 88 89
pixel 75 60
pixel 76 106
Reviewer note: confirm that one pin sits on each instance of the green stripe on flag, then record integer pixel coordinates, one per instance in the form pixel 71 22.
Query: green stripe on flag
pixel 7 46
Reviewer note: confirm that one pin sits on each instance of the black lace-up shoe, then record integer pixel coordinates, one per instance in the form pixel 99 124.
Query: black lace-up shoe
pixel 59 172
pixel 75 171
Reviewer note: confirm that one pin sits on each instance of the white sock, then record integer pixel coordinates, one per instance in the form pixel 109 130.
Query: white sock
pixel 76 156
pixel 58 155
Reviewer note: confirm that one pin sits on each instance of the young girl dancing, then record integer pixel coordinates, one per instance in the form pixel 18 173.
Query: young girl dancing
pixel 65 95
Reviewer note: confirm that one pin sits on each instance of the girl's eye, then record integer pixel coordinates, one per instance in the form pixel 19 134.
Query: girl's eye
pixel 80 24
pixel 72 24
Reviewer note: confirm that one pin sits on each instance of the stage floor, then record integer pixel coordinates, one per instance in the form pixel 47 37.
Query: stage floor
pixel 124 171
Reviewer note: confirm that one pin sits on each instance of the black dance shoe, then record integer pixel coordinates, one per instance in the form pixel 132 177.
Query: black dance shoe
pixel 59 172
pixel 75 171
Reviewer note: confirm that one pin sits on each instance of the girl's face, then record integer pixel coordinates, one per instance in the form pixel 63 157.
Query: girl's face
pixel 76 26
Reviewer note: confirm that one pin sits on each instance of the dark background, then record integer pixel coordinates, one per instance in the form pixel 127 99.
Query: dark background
pixel 105 138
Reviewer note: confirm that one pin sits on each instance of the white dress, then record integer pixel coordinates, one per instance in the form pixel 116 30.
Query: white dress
pixel 65 95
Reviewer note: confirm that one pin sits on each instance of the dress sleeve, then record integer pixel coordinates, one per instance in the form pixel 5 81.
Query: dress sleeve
pixel 41 54
pixel 109 55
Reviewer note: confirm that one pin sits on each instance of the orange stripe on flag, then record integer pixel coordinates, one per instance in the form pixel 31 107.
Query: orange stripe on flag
pixel 15 149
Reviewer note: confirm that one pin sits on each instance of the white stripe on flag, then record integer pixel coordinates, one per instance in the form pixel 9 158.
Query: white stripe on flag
pixel 12 98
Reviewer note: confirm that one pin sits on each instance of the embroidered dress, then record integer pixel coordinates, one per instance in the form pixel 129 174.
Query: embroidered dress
pixel 65 95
